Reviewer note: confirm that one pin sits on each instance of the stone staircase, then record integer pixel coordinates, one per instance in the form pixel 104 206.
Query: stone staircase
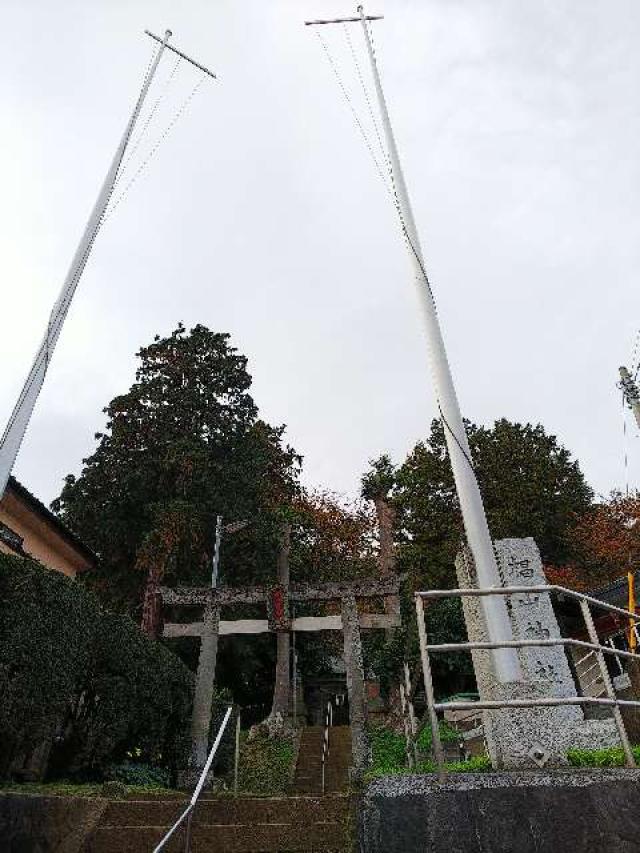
pixel 308 775
pixel 303 821
pixel 228 825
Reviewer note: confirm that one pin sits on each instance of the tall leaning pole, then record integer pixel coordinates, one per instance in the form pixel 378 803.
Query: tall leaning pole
pixel 506 662
pixel 22 411
pixel 21 415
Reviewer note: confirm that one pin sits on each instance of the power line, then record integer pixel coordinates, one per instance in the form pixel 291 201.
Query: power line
pixel 352 109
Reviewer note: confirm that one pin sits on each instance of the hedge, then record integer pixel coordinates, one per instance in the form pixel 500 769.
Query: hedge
pixel 83 679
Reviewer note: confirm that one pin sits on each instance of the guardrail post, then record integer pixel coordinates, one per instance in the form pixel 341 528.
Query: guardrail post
pixel 407 730
pixel 428 688
pixel 236 763
pixel 187 834
pixel 412 715
pixel 617 715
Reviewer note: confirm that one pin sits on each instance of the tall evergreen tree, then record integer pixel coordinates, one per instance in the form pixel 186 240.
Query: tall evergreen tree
pixel 184 444
pixel 530 486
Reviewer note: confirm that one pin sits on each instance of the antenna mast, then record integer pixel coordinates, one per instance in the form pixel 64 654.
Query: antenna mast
pixel 475 521
pixel 21 415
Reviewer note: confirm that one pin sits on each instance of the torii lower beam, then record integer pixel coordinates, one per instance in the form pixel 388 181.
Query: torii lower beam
pixel 367 621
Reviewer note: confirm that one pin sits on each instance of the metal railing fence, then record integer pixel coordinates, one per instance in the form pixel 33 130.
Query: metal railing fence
pixel 594 646
pixel 338 698
pixel 326 741
pixel 187 814
pixel 408 718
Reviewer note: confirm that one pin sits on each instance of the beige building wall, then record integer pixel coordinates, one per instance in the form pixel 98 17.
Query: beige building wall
pixel 40 538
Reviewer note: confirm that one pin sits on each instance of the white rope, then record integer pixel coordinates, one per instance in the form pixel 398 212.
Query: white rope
pixel 149 119
pixel 154 148
pixel 354 113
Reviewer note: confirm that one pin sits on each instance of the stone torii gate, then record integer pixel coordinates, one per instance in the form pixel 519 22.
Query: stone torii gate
pixel 277 598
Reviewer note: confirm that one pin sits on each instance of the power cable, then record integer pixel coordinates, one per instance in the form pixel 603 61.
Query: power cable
pixel 148 121
pixel 165 133
pixel 352 109
pixel 365 91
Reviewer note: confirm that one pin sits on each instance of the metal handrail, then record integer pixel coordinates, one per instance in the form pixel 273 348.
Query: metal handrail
pixel 594 646
pixel 188 812
pixel 328 722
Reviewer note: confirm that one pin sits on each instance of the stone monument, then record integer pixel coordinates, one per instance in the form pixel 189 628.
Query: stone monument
pixel 528 737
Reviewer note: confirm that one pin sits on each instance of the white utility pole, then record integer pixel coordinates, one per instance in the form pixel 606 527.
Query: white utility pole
pixel 473 514
pixel 19 420
pixel 631 393
pixel 494 608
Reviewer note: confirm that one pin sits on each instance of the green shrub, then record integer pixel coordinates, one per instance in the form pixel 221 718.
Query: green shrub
pixel 82 678
pixel 265 764
pixel 388 749
pixel 612 757
pixel 447 735
pixel 389 757
pixel 140 775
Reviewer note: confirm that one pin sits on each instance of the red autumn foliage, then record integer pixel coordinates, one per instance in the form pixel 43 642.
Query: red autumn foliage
pixel 604 543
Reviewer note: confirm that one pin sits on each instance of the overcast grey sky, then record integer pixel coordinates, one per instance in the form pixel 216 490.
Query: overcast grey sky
pixel 519 127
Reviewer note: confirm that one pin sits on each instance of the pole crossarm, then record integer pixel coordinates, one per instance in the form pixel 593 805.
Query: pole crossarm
pixel 343 20
pixel 182 55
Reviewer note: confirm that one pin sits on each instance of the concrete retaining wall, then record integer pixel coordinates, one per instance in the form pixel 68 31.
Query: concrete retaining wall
pixel 37 824
pixel 528 812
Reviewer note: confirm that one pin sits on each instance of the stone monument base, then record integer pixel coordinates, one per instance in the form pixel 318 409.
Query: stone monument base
pixel 528 737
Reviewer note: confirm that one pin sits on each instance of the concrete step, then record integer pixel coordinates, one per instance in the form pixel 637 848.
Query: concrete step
pixel 226 810
pixel 232 838
pixel 308 774
pixel 228 825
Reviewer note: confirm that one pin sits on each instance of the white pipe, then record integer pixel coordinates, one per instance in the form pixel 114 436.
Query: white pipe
pixel 630 391
pixel 21 415
pixel 506 662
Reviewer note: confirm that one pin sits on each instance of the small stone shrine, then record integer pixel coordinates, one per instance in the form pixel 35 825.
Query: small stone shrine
pixel 528 737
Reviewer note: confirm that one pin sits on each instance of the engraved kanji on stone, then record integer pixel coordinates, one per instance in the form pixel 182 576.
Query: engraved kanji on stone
pixel 534 629
pixel 522 568
pixel 547 672
pixel 527 599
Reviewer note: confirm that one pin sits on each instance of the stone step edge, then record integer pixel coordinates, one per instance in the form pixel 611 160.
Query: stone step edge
pixel 198 825
pixel 249 799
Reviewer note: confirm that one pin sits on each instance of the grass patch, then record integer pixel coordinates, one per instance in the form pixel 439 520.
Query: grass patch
pixel 265 765
pixel 388 753
pixel 70 789
pixel 478 764
pixel 612 757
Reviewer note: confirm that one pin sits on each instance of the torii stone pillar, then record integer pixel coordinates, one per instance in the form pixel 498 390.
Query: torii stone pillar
pixel 355 684
pixel 205 680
